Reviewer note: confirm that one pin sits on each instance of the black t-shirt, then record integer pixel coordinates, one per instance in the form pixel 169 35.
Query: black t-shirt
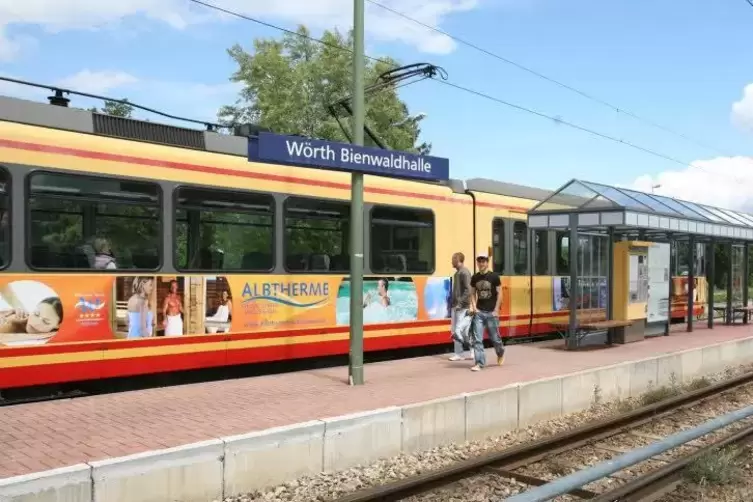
pixel 486 290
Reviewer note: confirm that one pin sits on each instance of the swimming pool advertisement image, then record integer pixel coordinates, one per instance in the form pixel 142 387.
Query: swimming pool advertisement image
pixel 53 309
pixel 396 299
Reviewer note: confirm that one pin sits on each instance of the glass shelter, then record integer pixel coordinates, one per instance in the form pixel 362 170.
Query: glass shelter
pixel 642 233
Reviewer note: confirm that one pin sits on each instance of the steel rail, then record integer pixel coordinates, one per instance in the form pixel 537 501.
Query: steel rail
pixel 579 479
pixel 528 453
pixel 661 481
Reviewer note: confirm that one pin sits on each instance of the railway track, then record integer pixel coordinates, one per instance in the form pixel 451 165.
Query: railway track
pixel 514 463
pixel 654 485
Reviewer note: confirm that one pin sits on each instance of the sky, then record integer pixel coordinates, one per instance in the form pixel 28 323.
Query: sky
pixel 684 69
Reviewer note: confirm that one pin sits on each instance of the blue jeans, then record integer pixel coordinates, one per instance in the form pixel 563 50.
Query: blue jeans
pixel 459 328
pixel 491 322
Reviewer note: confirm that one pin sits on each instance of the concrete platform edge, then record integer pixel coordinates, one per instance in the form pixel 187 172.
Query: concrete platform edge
pixel 229 466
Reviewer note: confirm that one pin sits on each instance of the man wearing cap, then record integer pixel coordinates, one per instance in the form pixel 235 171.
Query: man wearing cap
pixel 486 298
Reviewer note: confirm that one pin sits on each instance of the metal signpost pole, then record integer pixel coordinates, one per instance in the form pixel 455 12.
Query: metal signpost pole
pixel 355 367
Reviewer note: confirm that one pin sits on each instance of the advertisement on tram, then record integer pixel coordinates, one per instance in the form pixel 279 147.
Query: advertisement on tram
pixel 55 309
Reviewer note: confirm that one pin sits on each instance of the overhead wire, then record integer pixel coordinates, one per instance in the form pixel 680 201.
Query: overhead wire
pixel 573 125
pixel 552 80
pixel 280 28
pixel 489 97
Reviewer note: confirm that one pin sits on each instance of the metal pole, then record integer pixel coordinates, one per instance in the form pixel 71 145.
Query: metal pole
pixel 600 471
pixel 355 368
pixel 691 281
pixel 730 269
pixel 572 339
pixel 610 282
pixel 711 280
pixel 672 249
pixel 746 271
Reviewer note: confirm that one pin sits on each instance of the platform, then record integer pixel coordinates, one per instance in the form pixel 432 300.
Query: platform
pixel 47 435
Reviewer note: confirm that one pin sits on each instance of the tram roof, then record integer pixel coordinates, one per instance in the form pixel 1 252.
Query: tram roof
pixel 600 206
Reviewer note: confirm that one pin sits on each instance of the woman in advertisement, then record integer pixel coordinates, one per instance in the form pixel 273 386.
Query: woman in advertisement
pixel 172 310
pixel 223 314
pixel 140 316
pixel 44 320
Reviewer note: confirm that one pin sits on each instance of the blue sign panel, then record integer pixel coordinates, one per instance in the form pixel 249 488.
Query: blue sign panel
pixel 305 152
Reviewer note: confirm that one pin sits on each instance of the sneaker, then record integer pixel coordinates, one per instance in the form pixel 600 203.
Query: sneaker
pixel 456 357
pixel 500 360
pixel 475 367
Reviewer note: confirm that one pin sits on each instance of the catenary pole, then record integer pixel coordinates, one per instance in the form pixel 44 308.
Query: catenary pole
pixel 355 367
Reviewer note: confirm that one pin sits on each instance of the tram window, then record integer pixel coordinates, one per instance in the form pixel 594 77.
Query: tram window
pixel 498 246
pixel 541 241
pixel 317 234
pixel 402 240
pixel 4 218
pixel 82 222
pixel 520 248
pixel 563 254
pixel 223 231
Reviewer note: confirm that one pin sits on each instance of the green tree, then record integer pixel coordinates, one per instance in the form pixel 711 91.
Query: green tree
pixel 115 109
pixel 288 83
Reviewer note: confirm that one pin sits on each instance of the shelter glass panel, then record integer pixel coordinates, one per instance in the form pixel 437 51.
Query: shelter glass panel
pixel 562 250
pixel 735 218
pixel 737 275
pixel 652 202
pixel 572 195
pixel 680 208
pixel 592 272
pixel 725 217
pixel 702 211
pixel 618 197
pixel 748 219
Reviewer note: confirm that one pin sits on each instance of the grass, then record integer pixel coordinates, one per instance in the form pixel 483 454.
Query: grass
pixel 719 467
pixel 659 394
pixel 649 397
pixel 655 395
pixel 698 384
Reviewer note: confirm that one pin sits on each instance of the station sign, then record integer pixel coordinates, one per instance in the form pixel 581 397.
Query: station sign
pixel 321 154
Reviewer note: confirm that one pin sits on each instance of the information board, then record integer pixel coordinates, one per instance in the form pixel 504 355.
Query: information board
pixel 658 283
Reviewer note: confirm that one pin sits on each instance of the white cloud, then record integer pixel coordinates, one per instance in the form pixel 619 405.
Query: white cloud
pixel 9 48
pixel 97 82
pixel 199 101
pixel 742 111
pixel 725 182
pixel 59 15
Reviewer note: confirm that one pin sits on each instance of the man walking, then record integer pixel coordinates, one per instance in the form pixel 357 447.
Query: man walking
pixel 486 298
pixel 460 304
